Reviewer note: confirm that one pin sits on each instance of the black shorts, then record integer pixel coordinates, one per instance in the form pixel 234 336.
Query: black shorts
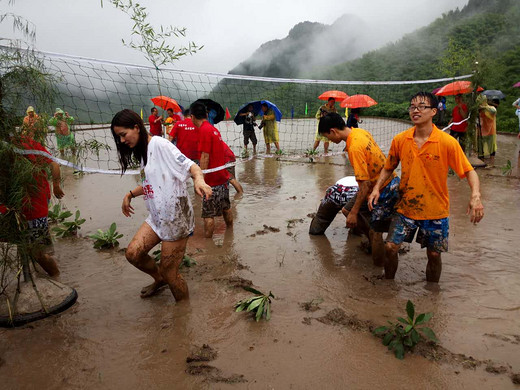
pixel 250 135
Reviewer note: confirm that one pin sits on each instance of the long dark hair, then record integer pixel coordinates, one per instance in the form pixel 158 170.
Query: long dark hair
pixel 129 119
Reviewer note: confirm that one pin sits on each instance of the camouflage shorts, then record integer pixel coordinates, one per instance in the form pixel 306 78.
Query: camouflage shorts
pixel 217 203
pixel 39 234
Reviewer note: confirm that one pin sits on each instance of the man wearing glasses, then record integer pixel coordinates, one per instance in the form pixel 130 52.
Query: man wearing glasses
pixel 425 153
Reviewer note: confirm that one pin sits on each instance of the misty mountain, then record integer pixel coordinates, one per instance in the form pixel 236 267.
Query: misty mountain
pixel 309 46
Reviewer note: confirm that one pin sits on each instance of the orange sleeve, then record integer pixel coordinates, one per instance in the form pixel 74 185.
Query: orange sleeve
pixel 358 160
pixel 457 160
pixel 392 161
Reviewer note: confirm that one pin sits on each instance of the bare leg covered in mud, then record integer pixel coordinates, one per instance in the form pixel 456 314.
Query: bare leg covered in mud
pixel 391 259
pixel 434 266
pixel 209 226
pixel 228 217
pixel 137 255
pixel 171 257
pixel 378 248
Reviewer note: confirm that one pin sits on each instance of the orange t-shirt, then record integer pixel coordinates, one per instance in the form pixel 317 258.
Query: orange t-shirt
pixel 424 172
pixel 365 156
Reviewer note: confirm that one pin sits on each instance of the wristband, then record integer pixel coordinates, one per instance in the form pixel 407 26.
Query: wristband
pixel 132 194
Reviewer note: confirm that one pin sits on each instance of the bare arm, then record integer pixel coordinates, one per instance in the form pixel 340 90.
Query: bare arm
pixel 374 196
pixel 364 190
pixel 475 207
pixel 56 179
pixel 126 207
pixel 204 160
pixel 201 188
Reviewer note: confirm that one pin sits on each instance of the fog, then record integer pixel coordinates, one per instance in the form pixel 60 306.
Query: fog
pixel 230 30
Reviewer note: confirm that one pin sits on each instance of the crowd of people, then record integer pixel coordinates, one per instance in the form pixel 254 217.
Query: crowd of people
pixel 374 201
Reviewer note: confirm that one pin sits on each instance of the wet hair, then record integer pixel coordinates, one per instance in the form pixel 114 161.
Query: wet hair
pixel 186 112
pixel 265 105
pixel 129 119
pixel 355 111
pixel 153 108
pixel 198 110
pixel 170 110
pixel 329 121
pixel 426 95
pixel 331 98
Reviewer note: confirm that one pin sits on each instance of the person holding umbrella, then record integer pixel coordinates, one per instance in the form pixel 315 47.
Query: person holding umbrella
pixel 249 127
pixel 325 109
pixel 487 142
pixel 270 128
pixel 155 122
pixel 459 113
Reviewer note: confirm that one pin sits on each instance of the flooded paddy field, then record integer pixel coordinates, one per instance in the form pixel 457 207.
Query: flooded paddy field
pixel 111 338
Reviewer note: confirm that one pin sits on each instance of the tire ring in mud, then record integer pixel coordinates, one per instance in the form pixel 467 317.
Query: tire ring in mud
pixel 22 319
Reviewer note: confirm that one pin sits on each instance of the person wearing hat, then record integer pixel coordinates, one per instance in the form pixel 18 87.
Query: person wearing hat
pixel 31 120
pixel 64 137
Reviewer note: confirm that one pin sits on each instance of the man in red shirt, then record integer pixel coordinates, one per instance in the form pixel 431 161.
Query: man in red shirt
pixel 186 136
pixel 212 155
pixel 460 112
pixel 155 122
pixel 36 208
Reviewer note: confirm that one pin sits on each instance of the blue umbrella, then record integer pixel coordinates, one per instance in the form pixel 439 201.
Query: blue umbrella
pixel 257 109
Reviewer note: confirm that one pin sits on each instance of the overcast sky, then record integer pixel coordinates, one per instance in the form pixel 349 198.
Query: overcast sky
pixel 230 30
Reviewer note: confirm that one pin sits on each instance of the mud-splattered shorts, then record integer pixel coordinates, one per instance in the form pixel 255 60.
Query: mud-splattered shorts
pixel 381 215
pixel 335 198
pixel 39 234
pixel 219 201
pixel 433 233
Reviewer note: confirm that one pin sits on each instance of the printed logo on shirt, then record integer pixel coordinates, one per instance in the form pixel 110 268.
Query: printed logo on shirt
pixel 431 157
pixel 181 158
pixel 148 192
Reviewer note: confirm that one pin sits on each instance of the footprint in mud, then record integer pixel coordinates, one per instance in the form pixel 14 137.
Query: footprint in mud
pixel 202 354
pixel 236 281
pixel 213 374
pixel 291 223
pixel 513 338
pixel 267 229
pixel 312 305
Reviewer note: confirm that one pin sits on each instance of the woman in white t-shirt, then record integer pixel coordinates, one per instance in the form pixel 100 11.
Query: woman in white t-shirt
pixel 164 171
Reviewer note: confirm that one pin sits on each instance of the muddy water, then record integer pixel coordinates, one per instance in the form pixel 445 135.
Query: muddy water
pixel 113 339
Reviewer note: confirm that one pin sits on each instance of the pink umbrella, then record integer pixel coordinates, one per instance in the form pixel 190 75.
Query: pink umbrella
pixel 517 85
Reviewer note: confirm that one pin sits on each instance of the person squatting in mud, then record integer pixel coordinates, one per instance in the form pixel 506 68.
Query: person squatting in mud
pixel 425 153
pixel 164 171
pixel 367 160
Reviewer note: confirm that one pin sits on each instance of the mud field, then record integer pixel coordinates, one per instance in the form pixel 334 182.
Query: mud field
pixel 328 297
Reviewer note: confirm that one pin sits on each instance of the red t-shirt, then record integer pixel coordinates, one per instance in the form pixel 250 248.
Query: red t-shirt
pixel 155 127
pixel 211 143
pixel 457 117
pixel 187 136
pixel 37 204
pixel 230 156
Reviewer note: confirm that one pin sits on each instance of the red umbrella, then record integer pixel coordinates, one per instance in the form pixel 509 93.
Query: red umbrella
pixel 338 95
pixel 457 88
pixel 517 85
pixel 166 102
pixel 358 101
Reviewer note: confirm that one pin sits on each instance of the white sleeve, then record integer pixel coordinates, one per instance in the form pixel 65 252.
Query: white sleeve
pixel 178 164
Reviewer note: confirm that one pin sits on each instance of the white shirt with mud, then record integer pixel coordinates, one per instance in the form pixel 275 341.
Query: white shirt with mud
pixel 165 192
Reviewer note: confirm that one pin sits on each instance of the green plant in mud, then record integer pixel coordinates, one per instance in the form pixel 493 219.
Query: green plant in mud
pixel 311 153
pixel 57 214
pixel 507 169
pixel 108 239
pixel 406 333
pixel 259 304
pixel 245 153
pixel 69 228
pixel 279 152
pixel 187 261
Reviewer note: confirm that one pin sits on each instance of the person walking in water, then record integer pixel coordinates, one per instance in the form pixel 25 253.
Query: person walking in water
pixel 325 109
pixel 426 154
pixel 164 172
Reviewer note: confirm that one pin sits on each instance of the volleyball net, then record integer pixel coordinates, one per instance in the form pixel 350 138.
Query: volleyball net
pixel 91 91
